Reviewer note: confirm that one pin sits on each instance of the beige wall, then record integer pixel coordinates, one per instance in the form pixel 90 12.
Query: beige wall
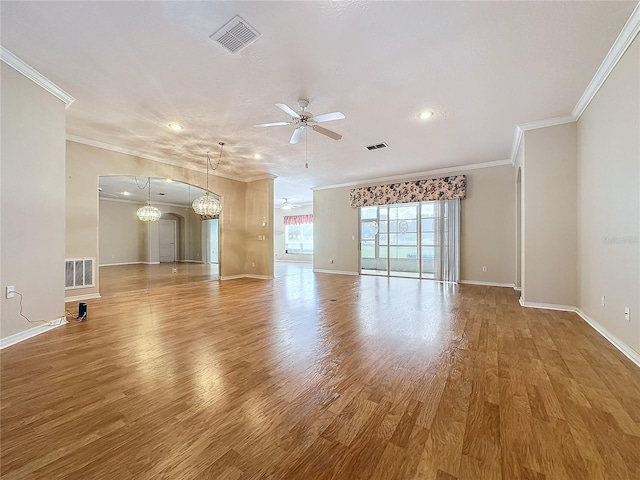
pixel 32 198
pixel 125 239
pixel 550 216
pixel 609 202
pixel 122 235
pixel 86 163
pixel 486 224
pixel 487 227
pixel 335 231
pixel 259 206
pixel 279 238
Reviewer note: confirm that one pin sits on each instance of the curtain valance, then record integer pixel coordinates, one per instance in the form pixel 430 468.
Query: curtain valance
pixel 297 219
pixel 445 188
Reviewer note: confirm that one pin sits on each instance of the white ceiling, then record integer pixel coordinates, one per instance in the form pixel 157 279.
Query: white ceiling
pixel 137 190
pixel 482 67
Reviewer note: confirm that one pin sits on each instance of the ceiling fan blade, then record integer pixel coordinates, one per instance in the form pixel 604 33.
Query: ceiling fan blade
pixel 296 135
pixel 328 133
pixel 287 110
pixel 327 117
pixel 272 124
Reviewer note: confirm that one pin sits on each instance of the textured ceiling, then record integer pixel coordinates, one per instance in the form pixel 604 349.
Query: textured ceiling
pixel 482 67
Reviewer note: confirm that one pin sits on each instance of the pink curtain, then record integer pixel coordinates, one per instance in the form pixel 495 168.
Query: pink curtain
pixel 297 219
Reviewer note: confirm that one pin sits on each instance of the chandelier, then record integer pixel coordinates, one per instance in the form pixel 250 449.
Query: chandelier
pixel 208 206
pixel 148 213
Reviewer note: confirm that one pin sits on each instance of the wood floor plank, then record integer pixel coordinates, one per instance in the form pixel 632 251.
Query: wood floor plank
pixel 316 376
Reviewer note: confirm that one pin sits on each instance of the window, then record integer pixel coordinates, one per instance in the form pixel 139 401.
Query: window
pixel 419 240
pixel 298 234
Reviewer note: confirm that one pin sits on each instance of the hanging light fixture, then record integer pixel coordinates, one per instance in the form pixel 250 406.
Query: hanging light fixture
pixel 208 206
pixel 148 213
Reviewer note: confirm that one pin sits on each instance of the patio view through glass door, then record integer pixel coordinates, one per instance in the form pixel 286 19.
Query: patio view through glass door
pixel 408 239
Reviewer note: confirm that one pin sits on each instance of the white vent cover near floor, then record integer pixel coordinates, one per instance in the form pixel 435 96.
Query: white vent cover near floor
pixel 78 272
pixel 235 35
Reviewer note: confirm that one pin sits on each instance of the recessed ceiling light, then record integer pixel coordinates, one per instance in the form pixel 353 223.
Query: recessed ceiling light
pixel 425 115
pixel 175 126
pixel 257 156
pixel 126 194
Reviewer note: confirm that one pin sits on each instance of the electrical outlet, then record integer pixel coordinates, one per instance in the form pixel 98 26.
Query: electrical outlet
pixel 330 261
pixel 10 291
pixel 484 269
pixel 602 301
pixel 253 264
pixel 627 314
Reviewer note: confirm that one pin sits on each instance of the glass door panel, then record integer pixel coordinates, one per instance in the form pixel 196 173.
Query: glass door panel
pixel 403 240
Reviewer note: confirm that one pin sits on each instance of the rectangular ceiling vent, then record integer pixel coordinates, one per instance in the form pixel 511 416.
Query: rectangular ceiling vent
pixel 377 146
pixel 235 35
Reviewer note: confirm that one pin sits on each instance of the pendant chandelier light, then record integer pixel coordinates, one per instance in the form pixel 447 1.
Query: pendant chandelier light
pixel 148 213
pixel 208 206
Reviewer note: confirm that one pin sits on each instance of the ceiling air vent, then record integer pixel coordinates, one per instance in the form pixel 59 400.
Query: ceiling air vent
pixel 376 146
pixel 235 35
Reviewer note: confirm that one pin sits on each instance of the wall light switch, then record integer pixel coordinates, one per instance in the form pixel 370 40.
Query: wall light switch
pixel 484 269
pixel 627 314
pixel 602 302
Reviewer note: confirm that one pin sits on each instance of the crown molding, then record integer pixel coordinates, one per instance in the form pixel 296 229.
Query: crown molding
pixel 153 203
pixel 625 38
pixel 263 176
pixel 32 74
pixel 412 176
pixel 135 153
pixel 523 127
pixel 617 50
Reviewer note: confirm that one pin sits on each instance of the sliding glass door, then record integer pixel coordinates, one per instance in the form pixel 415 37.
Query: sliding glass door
pixel 417 240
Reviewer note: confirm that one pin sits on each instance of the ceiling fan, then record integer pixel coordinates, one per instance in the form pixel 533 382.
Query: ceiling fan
pixel 288 206
pixel 303 119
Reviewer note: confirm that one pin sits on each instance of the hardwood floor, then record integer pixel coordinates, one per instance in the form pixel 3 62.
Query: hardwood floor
pixel 317 376
pixel 127 278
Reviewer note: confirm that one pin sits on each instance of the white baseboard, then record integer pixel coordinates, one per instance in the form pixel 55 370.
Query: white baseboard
pixel 118 264
pixel 487 284
pixel 246 275
pixel 88 296
pixel 629 352
pixel 286 260
pixel 547 306
pixel 337 272
pixel 625 349
pixel 132 263
pixel 32 332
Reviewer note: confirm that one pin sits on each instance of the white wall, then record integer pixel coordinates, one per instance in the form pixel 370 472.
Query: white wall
pixel 609 202
pixel 33 201
pixel 550 216
pixel 487 227
pixel 278 234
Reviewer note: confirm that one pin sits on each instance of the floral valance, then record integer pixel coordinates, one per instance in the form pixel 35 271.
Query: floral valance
pixel 445 188
pixel 297 219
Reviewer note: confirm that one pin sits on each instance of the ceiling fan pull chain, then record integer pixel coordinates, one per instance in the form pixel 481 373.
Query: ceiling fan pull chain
pixel 306 148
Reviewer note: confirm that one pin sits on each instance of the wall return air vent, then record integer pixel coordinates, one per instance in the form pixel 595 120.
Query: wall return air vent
pixel 377 146
pixel 235 35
